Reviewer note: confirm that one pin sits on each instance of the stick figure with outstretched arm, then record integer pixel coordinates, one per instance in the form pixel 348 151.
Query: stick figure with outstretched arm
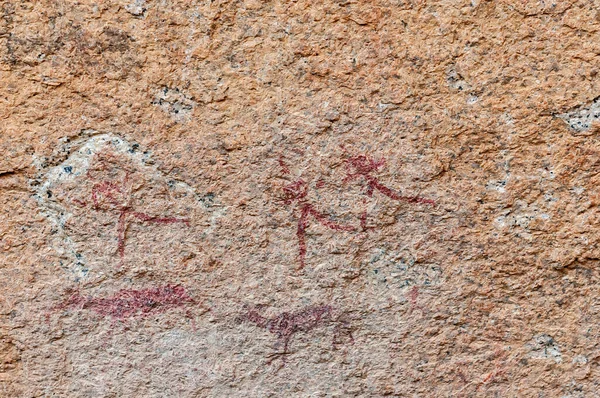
pixel 362 166
pixel 296 192
pixel 112 197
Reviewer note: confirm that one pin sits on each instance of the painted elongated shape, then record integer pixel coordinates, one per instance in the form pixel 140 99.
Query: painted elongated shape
pixel 128 303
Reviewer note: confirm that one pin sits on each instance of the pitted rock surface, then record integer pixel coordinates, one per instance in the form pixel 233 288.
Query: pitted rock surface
pixel 271 198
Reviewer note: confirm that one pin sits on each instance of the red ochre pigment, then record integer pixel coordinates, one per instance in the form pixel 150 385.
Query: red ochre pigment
pixel 359 167
pixel 287 324
pixel 297 191
pixel 129 303
pixel 362 166
pixel 108 196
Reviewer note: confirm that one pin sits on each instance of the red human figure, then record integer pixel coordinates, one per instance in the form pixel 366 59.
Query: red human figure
pixel 362 166
pixel 297 191
pixel 284 167
pixel 413 295
pixel 108 196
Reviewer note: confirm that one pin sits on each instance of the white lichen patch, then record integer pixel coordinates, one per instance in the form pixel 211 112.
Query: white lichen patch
pixel 137 8
pixel 496 185
pixel 401 269
pixel 455 80
pixel 581 119
pixel 173 101
pixel 136 197
pixel 472 99
pixel 580 359
pixel 543 346
pixel 520 216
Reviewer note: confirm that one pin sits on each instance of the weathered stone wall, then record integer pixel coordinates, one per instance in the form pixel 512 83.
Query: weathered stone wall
pixel 299 198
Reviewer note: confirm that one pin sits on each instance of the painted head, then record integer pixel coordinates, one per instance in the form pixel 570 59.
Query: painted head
pixel 295 191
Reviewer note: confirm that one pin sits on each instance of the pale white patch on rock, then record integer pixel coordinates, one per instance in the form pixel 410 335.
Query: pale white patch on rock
pixel 581 119
pixel 520 215
pixel 543 346
pixel 137 8
pixel 471 99
pixel 497 185
pixel 500 222
pixel 72 173
pixel 455 80
pixel 173 101
pixel 578 190
pixel 582 359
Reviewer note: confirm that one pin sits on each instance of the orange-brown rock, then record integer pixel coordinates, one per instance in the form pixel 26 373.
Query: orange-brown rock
pixel 299 198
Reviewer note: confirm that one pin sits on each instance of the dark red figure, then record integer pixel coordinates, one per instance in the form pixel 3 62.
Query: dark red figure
pixel 128 303
pixel 413 295
pixel 297 191
pixel 286 324
pixel 109 196
pixel 362 166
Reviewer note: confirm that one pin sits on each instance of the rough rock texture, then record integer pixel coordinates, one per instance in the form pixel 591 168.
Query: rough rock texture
pixel 299 198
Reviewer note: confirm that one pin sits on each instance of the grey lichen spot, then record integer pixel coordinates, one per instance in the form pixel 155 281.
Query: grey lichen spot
pixel 580 359
pixel 581 119
pixel 543 346
pixel 455 80
pixel 497 185
pixel 136 8
pixel 175 103
pixel 400 269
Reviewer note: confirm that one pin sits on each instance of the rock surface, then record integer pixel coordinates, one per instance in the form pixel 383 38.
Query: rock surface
pixel 299 198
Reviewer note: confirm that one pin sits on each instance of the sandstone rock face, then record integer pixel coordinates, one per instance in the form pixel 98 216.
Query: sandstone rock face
pixel 299 198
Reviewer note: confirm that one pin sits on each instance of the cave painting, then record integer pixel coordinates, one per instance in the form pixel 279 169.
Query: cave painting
pixel 112 197
pixel 296 192
pixel 287 324
pixel 359 167
pixel 129 303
